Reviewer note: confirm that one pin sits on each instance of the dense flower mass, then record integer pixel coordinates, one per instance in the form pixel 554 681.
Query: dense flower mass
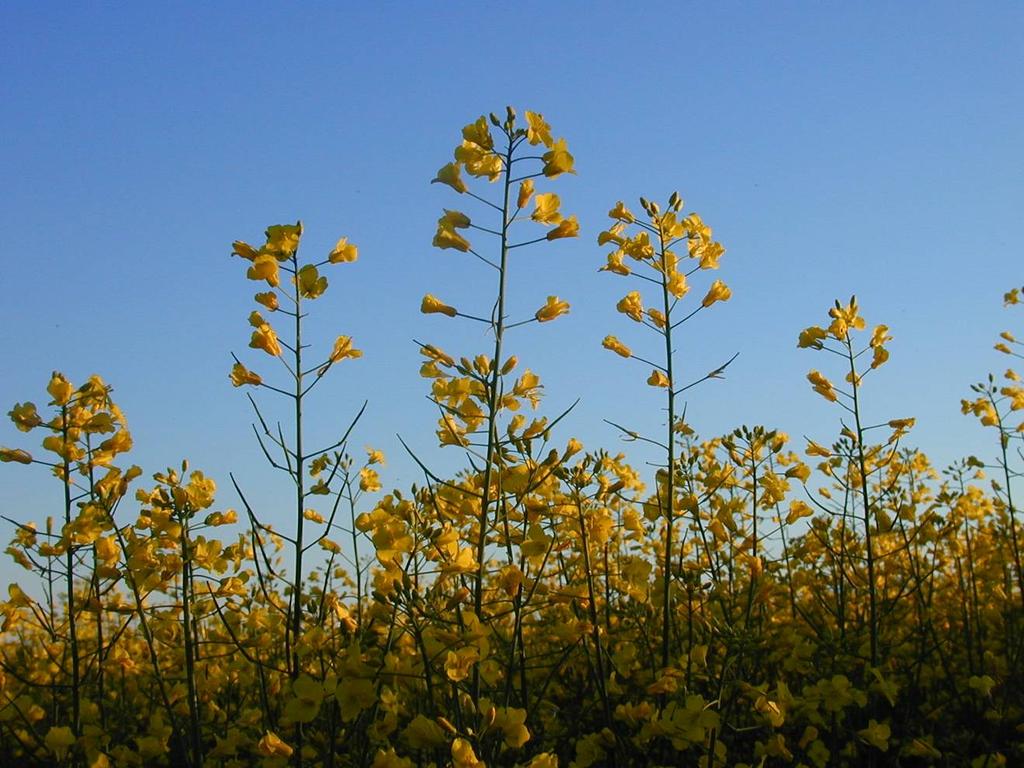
pixel 735 600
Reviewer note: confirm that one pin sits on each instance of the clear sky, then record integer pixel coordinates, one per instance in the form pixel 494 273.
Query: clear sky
pixel 836 148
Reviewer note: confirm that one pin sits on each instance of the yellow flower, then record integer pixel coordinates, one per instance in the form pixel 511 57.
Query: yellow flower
pixel 615 264
pixel 423 733
pixel 310 282
pixel 283 239
pixel 60 389
pixel 544 760
pixel 374 456
pixel 447 237
pixel 343 349
pixel 458 663
pixel 879 355
pixel 616 346
pixel 528 386
pixel 880 335
pixel 557 160
pixel 265 338
pixel 798 509
pixel 433 305
pixel 632 306
pixel 709 255
pixel 59 740
pixel 844 318
pixel 240 376
pixel 876 734
pixel 902 424
pixel 121 442
pixel 265 267
pixel 546 210
pixel 677 285
pixel 267 299
pixel 658 379
pixel 450 175
pixel 107 549
pixel 478 161
pixel 16 455
pixel 355 694
pixel 657 317
pixel 612 235
pixel 343 251
pixel 331 546
pixel 479 133
pixel 313 516
pixel 512 722
pixel 639 247
pixel 822 386
pixel 463 755
pixel 538 132
pixel 554 307
pixel 454 219
pixel 525 193
pixel 432 352
pixel 369 480
pixel 719 291
pixel 670 227
pixel 811 337
pixel 622 213
pixel 25 416
pixel 569 227
pixel 243 249
pixel 390 759
pixel 272 746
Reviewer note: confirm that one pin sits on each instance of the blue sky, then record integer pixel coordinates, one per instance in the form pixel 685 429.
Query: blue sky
pixel 836 148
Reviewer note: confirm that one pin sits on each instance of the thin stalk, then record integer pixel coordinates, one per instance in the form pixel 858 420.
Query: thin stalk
pixel 866 503
pixel 194 737
pixel 300 498
pixel 666 607
pixel 492 406
pixel 594 622
pixel 70 564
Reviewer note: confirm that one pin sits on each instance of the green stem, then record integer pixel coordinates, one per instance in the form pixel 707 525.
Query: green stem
pixel 70 564
pixel 492 410
pixel 300 498
pixel 195 740
pixel 666 607
pixel 866 503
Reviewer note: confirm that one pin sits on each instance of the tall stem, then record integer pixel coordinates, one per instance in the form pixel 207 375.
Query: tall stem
pixel 666 607
pixel 195 740
pixel 866 503
pixel 300 498
pixel 492 404
pixel 592 615
pixel 70 564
